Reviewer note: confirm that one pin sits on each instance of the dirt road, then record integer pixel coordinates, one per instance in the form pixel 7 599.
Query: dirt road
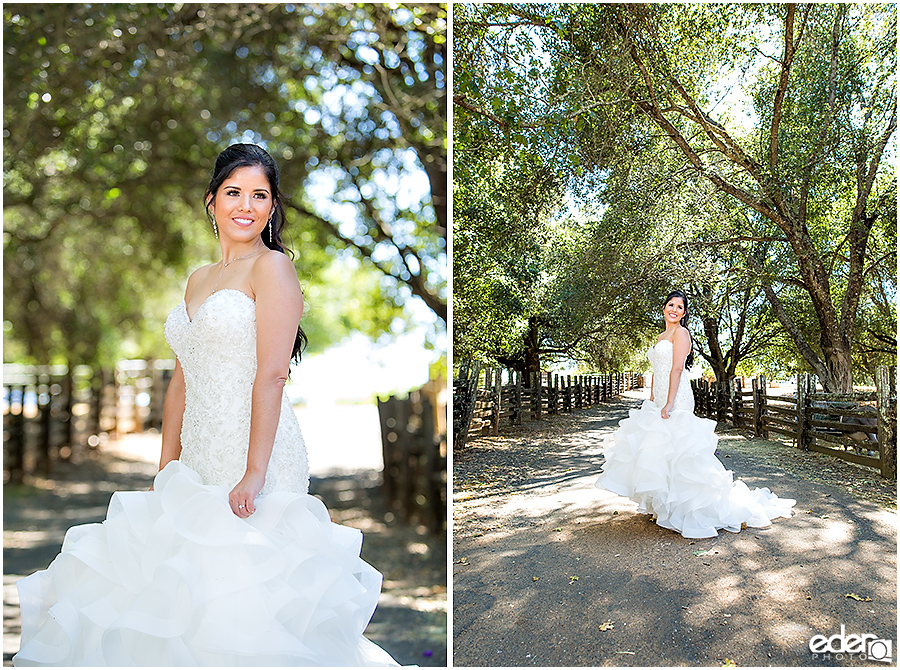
pixel 550 571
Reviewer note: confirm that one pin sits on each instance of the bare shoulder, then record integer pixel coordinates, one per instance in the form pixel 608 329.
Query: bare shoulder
pixel 273 270
pixel 682 335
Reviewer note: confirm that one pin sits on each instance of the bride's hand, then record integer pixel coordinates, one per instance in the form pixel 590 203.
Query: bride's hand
pixel 665 411
pixel 244 494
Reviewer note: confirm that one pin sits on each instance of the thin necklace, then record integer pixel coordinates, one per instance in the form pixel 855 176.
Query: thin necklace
pixel 225 265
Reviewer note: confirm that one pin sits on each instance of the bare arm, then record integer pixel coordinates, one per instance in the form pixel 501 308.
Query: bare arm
pixel 651 387
pixel 173 414
pixel 279 305
pixel 681 347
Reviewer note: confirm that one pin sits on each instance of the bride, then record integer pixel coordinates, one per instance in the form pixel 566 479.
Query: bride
pixel 227 560
pixel 663 456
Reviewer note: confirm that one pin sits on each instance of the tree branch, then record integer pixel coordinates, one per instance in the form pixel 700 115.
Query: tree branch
pixel 792 329
pixel 860 228
pixel 416 282
pixel 465 103
pixel 832 99
pixel 730 240
pixel 786 61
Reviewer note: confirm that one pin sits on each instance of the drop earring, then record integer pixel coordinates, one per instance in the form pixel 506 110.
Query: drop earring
pixel 270 232
pixel 215 229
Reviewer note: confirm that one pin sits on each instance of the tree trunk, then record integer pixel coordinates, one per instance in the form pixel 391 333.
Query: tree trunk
pixel 532 350
pixel 716 358
pixel 840 369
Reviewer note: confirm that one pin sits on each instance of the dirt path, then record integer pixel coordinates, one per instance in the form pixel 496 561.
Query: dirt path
pixel 410 621
pixel 550 571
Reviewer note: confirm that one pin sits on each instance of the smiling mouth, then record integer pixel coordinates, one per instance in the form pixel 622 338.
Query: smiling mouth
pixel 245 222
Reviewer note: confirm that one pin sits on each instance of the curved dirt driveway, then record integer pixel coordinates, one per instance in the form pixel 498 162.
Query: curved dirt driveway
pixel 549 571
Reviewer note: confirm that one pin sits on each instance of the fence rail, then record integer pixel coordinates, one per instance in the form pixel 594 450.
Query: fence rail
pixel 57 412
pixel 483 404
pixel 857 427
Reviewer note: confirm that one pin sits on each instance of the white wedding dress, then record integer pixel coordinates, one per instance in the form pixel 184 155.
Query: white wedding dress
pixel 174 578
pixel 669 466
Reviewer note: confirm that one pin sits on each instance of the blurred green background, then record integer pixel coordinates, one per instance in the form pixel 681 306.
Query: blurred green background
pixel 113 117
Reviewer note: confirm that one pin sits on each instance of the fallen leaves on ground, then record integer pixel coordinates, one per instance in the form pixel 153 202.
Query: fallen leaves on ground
pixel 856 597
pixel 606 625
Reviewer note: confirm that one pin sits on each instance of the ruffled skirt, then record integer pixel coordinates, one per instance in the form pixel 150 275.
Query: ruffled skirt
pixel 669 467
pixel 174 578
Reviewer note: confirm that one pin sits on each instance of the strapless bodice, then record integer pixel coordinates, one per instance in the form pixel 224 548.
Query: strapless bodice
pixel 217 352
pixel 660 356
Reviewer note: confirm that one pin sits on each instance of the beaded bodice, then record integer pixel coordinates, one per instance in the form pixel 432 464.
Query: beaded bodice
pixel 217 352
pixel 660 356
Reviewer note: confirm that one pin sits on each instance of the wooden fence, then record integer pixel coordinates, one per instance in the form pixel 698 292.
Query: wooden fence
pixel 483 403
pixel 414 446
pixel 858 427
pixel 52 412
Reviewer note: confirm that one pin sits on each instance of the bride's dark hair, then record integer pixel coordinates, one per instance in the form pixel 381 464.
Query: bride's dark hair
pixel 250 155
pixel 684 322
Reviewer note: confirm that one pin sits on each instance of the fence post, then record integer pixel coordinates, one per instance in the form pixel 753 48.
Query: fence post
pixel 697 386
pixel 551 393
pixel 716 388
pixel 44 461
pixel 558 390
pixel 495 402
pixel 16 442
pixel 430 482
pixel 389 436
pixel 754 386
pixel 802 405
pixel 885 389
pixel 537 399
pixel 68 391
pixel 704 385
pixel 763 389
pixel 736 389
pixel 517 401
pixel 469 374
pixel 551 398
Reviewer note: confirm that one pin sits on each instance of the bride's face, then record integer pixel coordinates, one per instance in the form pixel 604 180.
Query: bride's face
pixel 243 204
pixel 674 310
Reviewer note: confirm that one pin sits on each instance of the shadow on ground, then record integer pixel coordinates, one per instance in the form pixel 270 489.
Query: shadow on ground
pixel 550 571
